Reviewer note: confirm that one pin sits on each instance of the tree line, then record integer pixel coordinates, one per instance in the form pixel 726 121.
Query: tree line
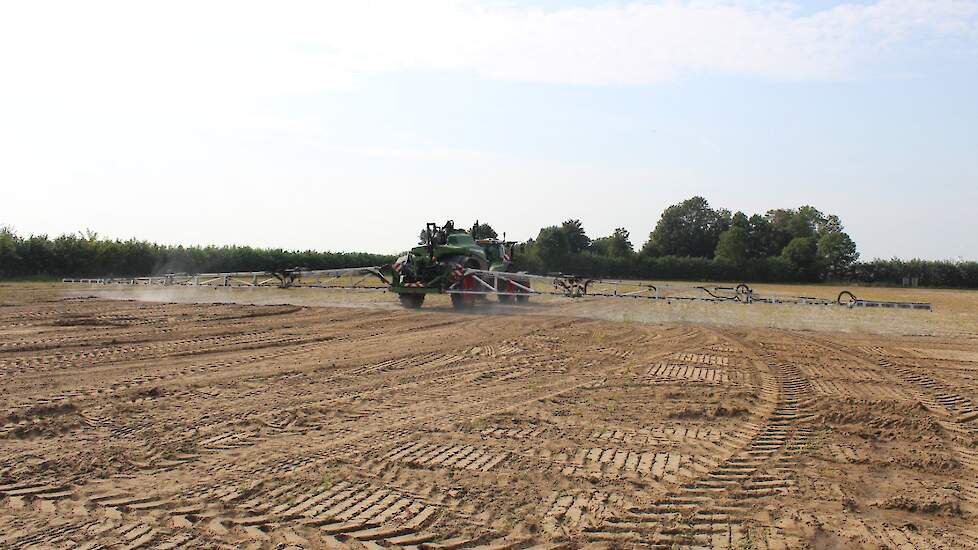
pixel 694 241
pixel 690 241
pixel 86 255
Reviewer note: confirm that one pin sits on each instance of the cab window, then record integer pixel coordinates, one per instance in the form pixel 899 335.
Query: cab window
pixel 460 239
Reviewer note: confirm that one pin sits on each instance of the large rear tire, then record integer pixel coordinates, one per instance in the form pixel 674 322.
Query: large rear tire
pixel 524 296
pixel 465 301
pixel 411 301
pixel 505 286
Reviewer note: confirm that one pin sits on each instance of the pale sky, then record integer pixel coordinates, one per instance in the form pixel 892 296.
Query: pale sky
pixel 347 126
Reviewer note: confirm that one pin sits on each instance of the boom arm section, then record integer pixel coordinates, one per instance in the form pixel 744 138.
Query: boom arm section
pixel 282 278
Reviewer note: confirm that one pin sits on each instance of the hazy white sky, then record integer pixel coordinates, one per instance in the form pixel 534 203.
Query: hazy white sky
pixel 347 126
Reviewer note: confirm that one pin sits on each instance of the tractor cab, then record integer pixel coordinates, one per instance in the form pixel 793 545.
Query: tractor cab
pixel 499 253
pixel 441 243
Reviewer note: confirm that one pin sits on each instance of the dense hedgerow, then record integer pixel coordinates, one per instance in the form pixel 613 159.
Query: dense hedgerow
pixel 89 256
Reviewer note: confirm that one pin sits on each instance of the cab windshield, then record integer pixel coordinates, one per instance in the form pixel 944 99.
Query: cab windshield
pixel 460 239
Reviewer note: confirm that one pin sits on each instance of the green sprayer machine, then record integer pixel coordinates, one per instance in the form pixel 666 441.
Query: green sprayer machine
pixel 451 261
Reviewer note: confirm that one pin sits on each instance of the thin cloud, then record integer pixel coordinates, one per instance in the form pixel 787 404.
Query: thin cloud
pixel 239 48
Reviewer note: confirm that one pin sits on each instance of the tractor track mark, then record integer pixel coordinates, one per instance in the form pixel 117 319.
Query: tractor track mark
pixel 193 346
pixel 452 373
pixel 959 413
pixel 611 462
pixel 861 390
pixel 403 430
pixel 672 371
pixel 80 396
pixel 711 509
pixel 701 359
pixel 459 457
pixel 124 334
pixel 273 352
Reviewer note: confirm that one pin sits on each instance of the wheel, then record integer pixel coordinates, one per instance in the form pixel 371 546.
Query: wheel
pixel 465 301
pixel 523 296
pixel 411 301
pixel 744 293
pixel 846 298
pixel 505 286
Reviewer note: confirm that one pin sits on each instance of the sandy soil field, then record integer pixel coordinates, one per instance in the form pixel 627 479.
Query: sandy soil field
pixel 321 419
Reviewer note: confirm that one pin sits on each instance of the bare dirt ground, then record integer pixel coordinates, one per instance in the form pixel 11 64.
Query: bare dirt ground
pixel 130 424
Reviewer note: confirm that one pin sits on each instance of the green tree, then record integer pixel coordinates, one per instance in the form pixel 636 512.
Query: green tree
pixel 762 240
pixel 779 228
pixel 690 228
pixel 621 243
pixel 806 221
pixel 618 245
pixel 836 254
pixel 577 239
pixel 9 259
pixel 552 247
pixel 801 252
pixel 732 247
pixel 829 224
pixel 740 219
